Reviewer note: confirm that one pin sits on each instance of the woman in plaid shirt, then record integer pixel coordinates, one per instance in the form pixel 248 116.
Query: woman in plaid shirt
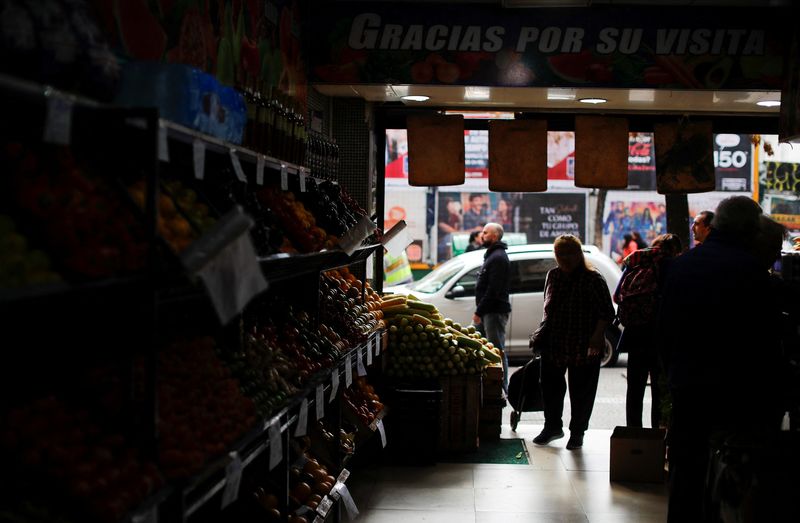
pixel 577 309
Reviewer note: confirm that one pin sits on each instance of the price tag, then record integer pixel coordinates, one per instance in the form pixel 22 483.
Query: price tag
pixel 319 402
pixel 275 443
pixel 349 504
pixel 284 178
pixel 147 516
pixel 58 120
pixel 233 477
pixel 360 364
pixel 381 431
pixel 348 371
pixel 260 170
pixel 237 166
pixel 319 519
pixel 324 506
pixel 302 420
pixel 302 174
pixel 163 144
pixel 199 157
pixel 343 475
pixel 334 384
pixel 378 343
pixel 369 352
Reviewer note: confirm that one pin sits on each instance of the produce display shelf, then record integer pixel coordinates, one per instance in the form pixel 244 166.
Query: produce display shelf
pixel 203 487
pixel 280 267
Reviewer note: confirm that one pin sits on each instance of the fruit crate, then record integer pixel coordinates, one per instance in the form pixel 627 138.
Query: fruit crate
pixel 413 428
pixel 460 413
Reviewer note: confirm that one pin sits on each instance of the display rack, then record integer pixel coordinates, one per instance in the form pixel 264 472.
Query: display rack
pixel 163 287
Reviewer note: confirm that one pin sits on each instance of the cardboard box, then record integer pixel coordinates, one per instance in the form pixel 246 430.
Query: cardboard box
pixel 637 455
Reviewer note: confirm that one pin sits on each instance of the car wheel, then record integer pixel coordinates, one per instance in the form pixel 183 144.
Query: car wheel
pixel 610 354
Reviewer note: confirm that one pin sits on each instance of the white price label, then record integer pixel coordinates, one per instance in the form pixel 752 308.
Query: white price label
pixel 334 384
pixel 360 364
pixel 381 431
pixel 348 370
pixel 58 120
pixel 284 178
pixel 237 166
pixel 319 402
pixel 260 170
pixel 199 157
pixel 324 506
pixel 163 144
pixel 275 443
pixel 302 174
pixel 349 504
pixel 369 352
pixel 233 477
pixel 378 343
pixel 302 420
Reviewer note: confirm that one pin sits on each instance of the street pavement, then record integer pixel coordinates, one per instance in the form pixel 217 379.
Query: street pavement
pixel 609 405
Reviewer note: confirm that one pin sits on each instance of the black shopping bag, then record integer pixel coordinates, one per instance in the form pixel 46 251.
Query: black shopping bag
pixel 524 389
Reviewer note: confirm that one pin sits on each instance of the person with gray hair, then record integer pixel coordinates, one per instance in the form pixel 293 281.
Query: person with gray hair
pixel 492 303
pixel 701 226
pixel 709 325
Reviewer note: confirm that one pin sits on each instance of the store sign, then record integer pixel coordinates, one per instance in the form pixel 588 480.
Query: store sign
pixel 658 48
pixel 641 162
pixel 551 215
pixel 732 162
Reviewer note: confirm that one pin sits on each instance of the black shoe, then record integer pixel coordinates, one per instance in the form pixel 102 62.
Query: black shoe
pixel 548 435
pixel 575 441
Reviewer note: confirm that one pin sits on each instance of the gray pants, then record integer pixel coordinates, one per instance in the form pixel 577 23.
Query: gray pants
pixel 493 327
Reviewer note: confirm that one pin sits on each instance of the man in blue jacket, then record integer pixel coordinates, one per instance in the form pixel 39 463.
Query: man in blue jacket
pixel 492 305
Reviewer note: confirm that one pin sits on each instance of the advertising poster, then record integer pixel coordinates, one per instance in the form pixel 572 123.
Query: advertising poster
pixel 627 212
pixel 541 217
pixel 784 209
pixel 410 205
pixel 641 162
pixel 733 162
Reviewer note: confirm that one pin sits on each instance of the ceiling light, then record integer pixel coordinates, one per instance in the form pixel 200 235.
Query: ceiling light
pixel 560 94
pixel 769 103
pixel 477 93
pixel 592 100
pixel 415 98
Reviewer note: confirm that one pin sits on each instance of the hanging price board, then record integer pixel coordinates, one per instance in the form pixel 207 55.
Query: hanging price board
pixel 233 477
pixel 275 443
pixel 260 170
pixel 348 370
pixel 360 364
pixel 334 384
pixel 284 178
pixel 199 158
pixel 319 401
pixel 163 143
pixel 58 120
pixel 237 166
pixel 302 420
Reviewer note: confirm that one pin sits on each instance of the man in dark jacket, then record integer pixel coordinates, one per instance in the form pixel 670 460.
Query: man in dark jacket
pixel 492 305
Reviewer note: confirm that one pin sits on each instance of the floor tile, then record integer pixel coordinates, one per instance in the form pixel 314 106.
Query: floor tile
pixel 449 475
pixel 499 478
pixel 387 496
pixel 413 516
pixel 579 460
pixel 627 518
pixel 600 496
pixel 528 499
pixel 527 517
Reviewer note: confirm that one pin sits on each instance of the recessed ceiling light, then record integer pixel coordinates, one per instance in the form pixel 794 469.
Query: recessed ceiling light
pixel 477 93
pixel 769 103
pixel 592 100
pixel 415 98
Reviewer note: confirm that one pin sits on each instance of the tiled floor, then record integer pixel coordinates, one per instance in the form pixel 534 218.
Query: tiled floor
pixel 557 486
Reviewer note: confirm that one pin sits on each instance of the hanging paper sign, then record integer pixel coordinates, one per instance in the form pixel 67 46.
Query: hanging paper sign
pixel 199 158
pixel 275 443
pixel 378 343
pixel 163 143
pixel 369 352
pixel 260 170
pixel 233 477
pixel 319 402
pixel 284 178
pixel 58 120
pixel 381 431
pixel 302 174
pixel 302 420
pixel 352 238
pixel 226 261
pixel 334 384
pixel 348 371
pixel 237 166
pixel 360 364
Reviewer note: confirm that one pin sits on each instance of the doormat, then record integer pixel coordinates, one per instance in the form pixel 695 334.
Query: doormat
pixel 502 451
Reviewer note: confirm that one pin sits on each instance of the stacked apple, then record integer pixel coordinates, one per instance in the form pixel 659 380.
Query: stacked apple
pixel 19 265
pixel 423 344
pixel 79 217
pixel 308 483
pixel 62 443
pixel 360 397
pixel 346 309
pixel 201 409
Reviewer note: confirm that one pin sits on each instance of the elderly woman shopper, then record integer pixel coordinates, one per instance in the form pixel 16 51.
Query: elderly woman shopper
pixel 577 309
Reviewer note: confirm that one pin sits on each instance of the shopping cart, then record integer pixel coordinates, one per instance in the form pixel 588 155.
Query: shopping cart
pixel 524 390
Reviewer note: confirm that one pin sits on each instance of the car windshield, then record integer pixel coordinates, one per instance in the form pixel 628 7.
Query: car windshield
pixel 435 280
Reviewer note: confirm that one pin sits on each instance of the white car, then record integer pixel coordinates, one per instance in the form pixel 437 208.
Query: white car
pixel 451 288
